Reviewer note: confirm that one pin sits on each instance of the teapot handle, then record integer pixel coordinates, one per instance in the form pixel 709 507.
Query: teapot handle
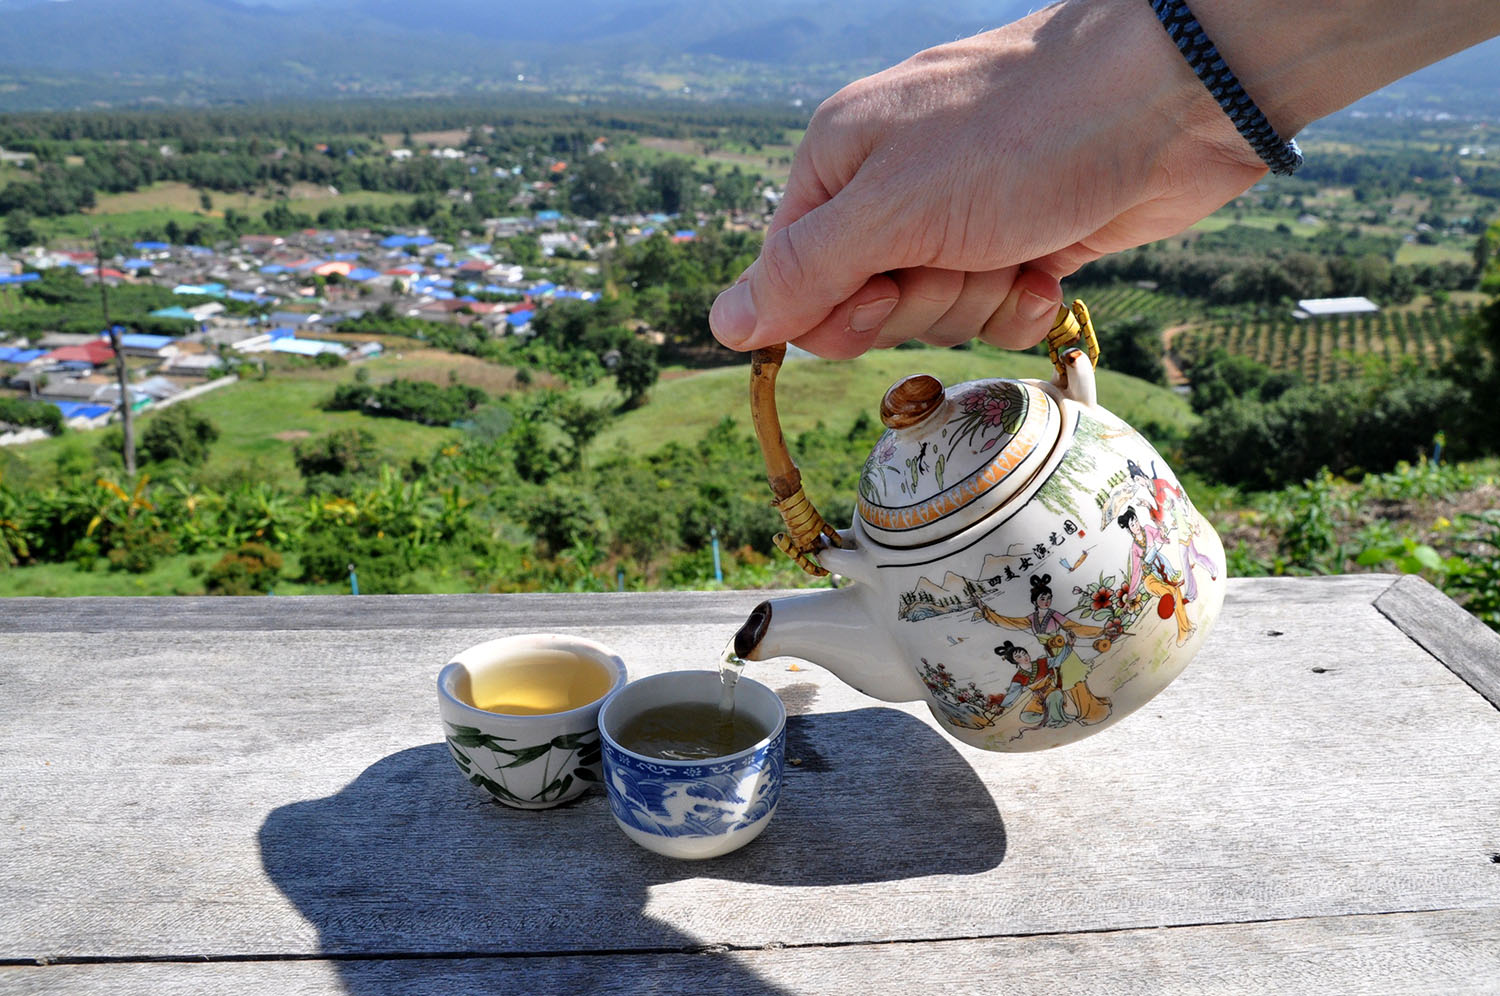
pixel 1073 329
pixel 807 532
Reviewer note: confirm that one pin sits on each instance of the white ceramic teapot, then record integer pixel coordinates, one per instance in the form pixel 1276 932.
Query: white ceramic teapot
pixel 1021 559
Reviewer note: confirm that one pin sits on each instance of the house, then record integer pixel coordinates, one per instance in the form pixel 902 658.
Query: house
pixel 506 273
pixel 67 389
pixel 307 347
pixel 158 347
pixel 194 365
pixel 1323 307
pixel 261 243
pixel 95 353
pixel 158 388
pixel 175 312
pixel 78 415
pixel 292 319
pixel 20 355
pixel 109 394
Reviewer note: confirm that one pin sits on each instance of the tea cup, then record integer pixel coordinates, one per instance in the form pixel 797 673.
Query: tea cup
pixel 699 808
pixel 521 715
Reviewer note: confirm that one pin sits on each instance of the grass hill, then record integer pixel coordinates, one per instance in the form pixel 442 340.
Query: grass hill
pixel 811 390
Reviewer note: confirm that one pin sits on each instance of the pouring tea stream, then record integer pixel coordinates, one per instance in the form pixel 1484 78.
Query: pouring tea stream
pixel 1020 559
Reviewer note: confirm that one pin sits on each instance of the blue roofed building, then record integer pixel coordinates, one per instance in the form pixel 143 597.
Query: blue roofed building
pixel 176 312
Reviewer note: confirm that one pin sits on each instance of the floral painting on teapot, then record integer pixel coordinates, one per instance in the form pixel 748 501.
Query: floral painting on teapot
pixel 1051 638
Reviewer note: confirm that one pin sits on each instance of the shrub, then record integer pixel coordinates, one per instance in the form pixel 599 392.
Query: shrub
pixel 139 545
pixel 563 517
pixel 178 433
pixel 31 414
pixel 340 453
pixel 250 570
pixel 412 400
pixel 1350 427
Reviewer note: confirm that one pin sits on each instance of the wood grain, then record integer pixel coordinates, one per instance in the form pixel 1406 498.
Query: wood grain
pixel 1452 952
pixel 263 779
pixel 1436 624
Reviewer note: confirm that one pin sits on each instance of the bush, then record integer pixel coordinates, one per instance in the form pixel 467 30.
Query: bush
pixel 340 453
pixel 139 545
pixel 178 433
pixel 1135 347
pixel 1220 377
pixel 383 564
pixel 250 570
pixel 412 400
pixel 349 397
pixel 562 517
pixel 1348 428
pixel 31 414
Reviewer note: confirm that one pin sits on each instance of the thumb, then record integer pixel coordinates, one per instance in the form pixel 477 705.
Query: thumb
pixel 806 270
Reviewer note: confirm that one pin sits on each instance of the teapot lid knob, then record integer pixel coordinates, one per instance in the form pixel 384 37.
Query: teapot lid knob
pixel 910 400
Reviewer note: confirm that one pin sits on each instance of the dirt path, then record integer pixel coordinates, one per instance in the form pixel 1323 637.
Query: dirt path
pixel 1175 376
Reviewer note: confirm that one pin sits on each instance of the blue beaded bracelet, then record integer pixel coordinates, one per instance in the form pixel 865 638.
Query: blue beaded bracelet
pixel 1187 34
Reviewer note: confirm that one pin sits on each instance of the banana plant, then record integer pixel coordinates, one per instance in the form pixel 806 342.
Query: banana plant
pixel 13 545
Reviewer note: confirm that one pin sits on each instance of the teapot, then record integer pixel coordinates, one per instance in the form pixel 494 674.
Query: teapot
pixel 1021 560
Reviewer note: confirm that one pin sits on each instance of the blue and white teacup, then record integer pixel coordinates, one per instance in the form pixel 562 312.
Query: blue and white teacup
pixel 698 808
pixel 521 715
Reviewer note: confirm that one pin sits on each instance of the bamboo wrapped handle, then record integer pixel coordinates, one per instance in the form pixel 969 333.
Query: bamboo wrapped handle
pixel 908 402
pixel 806 531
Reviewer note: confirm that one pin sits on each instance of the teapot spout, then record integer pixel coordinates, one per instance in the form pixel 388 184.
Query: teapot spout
pixel 834 630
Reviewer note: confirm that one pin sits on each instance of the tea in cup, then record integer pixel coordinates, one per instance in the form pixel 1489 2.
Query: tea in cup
pixel 521 715
pixel 683 779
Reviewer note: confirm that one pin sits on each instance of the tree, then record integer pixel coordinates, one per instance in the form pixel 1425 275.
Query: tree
pixel 1134 347
pixel 636 370
pixel 580 422
pixel 600 187
pixel 178 433
pixel 339 453
pixel 19 232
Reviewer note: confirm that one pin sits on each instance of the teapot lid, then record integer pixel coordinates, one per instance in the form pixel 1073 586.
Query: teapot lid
pixel 951 456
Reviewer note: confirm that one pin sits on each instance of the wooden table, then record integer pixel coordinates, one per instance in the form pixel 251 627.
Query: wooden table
pixel 251 796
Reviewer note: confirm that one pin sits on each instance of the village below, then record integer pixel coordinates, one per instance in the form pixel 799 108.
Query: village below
pixel 421 348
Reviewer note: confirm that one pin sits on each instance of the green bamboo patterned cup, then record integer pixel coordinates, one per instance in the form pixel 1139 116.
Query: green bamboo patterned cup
pixel 521 715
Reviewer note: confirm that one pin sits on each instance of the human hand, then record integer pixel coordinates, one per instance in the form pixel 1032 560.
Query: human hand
pixel 944 199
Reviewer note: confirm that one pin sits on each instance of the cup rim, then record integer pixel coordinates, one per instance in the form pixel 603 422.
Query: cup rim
pixel 738 755
pixel 547 641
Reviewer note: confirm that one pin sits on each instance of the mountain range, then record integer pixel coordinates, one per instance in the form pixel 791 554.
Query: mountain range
pixel 58 53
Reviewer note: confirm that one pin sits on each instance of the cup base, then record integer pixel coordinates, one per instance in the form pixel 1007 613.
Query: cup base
pixel 691 848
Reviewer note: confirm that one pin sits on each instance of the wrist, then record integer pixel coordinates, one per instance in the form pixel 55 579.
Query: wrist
pixel 1305 62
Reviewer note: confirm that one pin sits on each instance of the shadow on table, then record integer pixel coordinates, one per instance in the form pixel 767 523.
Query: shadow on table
pixel 407 861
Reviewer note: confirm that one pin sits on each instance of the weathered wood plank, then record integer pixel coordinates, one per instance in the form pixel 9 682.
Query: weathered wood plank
pixel 194 791
pixel 369 612
pixel 1452 952
pixel 1437 624
pixel 540 611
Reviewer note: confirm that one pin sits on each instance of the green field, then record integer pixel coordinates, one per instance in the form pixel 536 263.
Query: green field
pixel 812 390
pixel 1416 254
pixel 259 424
pixel 1330 349
pixel 150 208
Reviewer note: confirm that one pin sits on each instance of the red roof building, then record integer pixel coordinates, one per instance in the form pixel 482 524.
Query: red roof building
pixel 97 352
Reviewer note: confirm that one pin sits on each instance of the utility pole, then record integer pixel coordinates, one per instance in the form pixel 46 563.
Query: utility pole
pixel 127 417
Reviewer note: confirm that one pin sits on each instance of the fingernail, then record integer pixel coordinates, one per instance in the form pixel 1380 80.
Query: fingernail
pixel 867 317
pixel 1033 307
pixel 733 315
